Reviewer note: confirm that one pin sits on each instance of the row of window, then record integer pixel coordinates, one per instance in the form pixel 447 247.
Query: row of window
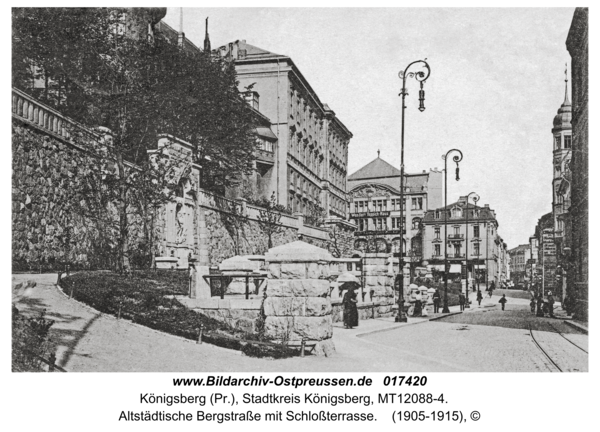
pixel 456 229
pixel 382 204
pixel 381 223
pixel 457 212
pixel 456 250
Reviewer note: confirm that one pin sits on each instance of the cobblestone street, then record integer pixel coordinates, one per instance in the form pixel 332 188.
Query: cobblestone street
pixel 488 339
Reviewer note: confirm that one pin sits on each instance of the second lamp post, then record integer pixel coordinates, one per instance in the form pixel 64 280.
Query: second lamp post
pixel 456 158
pixel 420 76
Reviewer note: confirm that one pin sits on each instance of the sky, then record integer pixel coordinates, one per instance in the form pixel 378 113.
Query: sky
pixel 496 83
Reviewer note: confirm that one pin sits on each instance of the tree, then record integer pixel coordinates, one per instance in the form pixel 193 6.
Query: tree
pixel 269 219
pixel 100 67
pixel 315 215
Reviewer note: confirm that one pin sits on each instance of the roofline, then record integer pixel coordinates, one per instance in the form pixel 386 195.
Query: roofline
pixel 305 83
pixel 382 177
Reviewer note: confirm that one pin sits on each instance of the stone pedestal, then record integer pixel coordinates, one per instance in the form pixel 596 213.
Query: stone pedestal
pixel 297 304
pixel 201 289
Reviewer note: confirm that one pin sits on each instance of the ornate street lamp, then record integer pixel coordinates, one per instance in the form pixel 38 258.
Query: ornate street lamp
pixel 421 76
pixel 475 199
pixel 456 158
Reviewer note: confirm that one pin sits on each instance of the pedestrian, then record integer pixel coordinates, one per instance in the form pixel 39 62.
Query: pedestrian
pixel 418 309
pixel 503 301
pixel 436 301
pixel 540 306
pixel 461 301
pixel 479 297
pixel 532 304
pixel 350 310
pixel 551 304
pixel 568 303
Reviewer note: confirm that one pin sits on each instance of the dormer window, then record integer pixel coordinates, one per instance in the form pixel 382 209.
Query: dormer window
pixel 456 212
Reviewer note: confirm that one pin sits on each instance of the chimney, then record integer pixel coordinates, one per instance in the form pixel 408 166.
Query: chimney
pixel 487 206
pixel 462 200
pixel 252 98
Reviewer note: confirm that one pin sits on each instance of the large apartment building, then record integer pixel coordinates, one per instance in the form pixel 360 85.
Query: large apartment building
pixel 306 164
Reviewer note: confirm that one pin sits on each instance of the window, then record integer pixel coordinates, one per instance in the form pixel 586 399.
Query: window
pixel 437 214
pixel 456 212
pixel 437 249
pixel 475 231
pixel 557 143
pixel 457 250
pixel 361 206
pixel 437 232
pixel 362 226
pixel 476 249
pixel 456 230
pixel 567 141
pixel 415 223
pixel 417 203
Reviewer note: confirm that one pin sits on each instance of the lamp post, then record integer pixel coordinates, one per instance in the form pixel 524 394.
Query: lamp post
pixel 456 158
pixel 475 199
pixel 421 76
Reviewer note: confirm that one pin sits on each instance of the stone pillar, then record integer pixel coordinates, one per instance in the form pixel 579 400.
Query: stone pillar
pixel 297 304
pixel 379 282
pixel 202 289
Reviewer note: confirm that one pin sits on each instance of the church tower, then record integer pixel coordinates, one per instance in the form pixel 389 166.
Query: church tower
pixel 561 133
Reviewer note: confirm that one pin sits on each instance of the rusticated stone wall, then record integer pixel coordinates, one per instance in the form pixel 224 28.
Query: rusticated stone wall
pixel 297 305
pixel 378 282
pixel 225 230
pixel 46 231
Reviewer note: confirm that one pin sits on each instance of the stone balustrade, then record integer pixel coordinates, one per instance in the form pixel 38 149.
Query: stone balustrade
pixel 26 108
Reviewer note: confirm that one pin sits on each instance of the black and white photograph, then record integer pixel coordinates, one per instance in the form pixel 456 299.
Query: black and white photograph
pixel 311 190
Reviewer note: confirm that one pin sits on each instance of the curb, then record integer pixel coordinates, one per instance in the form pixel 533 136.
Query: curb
pixel 406 324
pixel 444 316
pixel 576 326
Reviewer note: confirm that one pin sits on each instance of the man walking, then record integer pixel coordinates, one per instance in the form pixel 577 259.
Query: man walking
pixel 461 301
pixel 503 301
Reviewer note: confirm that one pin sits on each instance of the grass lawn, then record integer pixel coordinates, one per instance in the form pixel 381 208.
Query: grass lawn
pixel 147 298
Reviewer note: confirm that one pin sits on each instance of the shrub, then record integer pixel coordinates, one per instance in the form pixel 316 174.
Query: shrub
pixel 30 342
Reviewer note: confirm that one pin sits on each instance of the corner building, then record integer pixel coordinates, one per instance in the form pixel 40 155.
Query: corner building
pixel 308 164
pixel 374 192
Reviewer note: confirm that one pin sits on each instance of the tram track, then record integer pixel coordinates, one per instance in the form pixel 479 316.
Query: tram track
pixel 558 350
pixel 567 339
pixel 543 350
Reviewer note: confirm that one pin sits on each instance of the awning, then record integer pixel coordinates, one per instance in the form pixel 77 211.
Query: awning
pixel 454 268
pixel 480 267
pixel 438 267
pixel 265 132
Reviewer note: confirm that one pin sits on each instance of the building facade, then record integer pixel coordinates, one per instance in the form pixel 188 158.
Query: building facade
pixel 561 197
pixel 374 194
pixel 577 249
pixel 475 250
pixel 308 166
pixel 519 258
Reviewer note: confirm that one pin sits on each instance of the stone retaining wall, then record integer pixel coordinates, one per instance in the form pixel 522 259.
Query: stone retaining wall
pixel 366 310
